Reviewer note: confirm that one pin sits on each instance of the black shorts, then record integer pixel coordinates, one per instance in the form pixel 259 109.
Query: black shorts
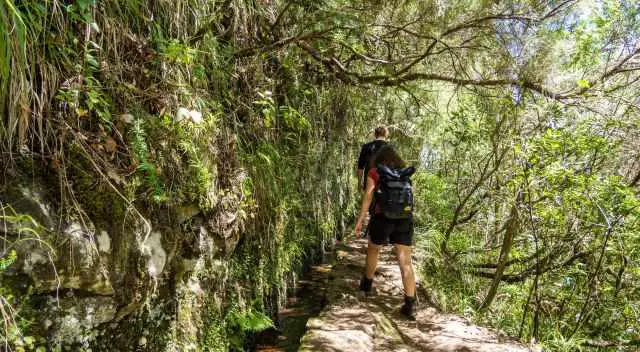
pixel 394 231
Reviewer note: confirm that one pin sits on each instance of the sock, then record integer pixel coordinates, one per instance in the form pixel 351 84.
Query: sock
pixel 365 284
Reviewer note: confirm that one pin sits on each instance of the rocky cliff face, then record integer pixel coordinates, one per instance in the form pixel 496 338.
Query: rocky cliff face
pixel 118 281
pixel 88 266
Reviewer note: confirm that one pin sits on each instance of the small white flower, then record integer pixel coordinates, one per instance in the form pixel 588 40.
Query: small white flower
pixel 182 114
pixel 196 116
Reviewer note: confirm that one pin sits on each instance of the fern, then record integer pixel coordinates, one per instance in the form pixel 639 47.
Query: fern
pixel 8 259
pixel 202 177
pixel 146 167
pixel 252 321
pixel 240 322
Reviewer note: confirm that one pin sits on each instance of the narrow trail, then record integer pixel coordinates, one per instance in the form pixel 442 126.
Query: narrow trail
pixel 358 324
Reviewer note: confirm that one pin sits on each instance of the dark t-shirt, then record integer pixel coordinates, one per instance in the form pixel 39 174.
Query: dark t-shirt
pixel 366 153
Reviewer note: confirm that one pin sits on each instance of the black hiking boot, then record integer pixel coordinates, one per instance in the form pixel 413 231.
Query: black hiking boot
pixel 365 286
pixel 409 307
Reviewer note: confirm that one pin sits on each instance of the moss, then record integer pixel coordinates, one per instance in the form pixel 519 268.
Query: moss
pixel 26 164
pixel 27 309
pixel 214 339
pixel 94 194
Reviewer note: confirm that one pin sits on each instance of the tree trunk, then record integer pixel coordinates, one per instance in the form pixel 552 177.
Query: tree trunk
pixel 507 242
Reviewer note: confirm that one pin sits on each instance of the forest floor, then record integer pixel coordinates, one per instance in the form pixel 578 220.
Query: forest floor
pixel 353 323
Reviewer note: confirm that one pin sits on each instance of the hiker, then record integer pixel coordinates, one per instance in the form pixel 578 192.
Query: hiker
pixel 392 220
pixel 368 151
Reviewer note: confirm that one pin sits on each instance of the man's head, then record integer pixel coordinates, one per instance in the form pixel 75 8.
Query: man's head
pixel 381 132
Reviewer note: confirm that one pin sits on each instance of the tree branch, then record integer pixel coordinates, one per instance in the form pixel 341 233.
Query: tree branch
pixel 525 274
pixel 279 43
pixel 276 23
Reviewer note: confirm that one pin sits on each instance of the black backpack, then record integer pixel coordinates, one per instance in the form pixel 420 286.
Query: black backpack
pixel 395 194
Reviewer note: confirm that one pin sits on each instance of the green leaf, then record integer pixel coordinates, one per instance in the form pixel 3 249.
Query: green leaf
pixel 5 262
pixel 29 340
pixel 265 158
pixel 583 83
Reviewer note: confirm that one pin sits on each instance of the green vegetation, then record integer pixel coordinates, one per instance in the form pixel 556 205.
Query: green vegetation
pixel 232 128
pixel 17 317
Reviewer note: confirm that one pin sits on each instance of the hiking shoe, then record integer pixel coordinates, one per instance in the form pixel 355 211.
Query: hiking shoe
pixel 409 307
pixel 365 285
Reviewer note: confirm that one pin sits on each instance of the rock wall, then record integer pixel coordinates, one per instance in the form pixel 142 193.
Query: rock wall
pixel 94 271
pixel 128 282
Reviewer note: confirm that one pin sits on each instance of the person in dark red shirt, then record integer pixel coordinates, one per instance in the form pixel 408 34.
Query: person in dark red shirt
pixel 398 232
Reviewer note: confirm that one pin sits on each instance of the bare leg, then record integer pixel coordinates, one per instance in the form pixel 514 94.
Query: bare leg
pixel 372 259
pixel 406 269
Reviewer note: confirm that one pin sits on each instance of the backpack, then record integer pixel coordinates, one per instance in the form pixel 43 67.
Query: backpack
pixel 394 195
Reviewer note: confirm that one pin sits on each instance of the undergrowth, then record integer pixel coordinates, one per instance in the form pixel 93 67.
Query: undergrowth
pixel 18 317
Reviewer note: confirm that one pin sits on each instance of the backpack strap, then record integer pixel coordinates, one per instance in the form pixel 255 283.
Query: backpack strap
pixel 408 171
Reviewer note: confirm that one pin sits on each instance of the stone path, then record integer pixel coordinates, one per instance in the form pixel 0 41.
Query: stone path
pixel 357 324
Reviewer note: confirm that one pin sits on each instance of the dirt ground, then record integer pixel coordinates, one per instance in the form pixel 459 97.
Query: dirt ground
pixel 353 323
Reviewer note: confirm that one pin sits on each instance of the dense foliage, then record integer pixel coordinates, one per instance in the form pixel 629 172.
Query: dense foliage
pixel 133 110
pixel 524 116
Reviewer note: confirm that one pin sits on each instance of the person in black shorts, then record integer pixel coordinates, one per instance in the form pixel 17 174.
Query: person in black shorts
pixel 398 232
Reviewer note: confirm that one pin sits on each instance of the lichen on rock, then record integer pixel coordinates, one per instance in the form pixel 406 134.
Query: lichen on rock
pixel 73 320
pixel 104 242
pixel 157 257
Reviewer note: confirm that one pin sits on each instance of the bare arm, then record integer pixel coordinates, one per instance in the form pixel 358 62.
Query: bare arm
pixel 367 198
pixel 360 174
